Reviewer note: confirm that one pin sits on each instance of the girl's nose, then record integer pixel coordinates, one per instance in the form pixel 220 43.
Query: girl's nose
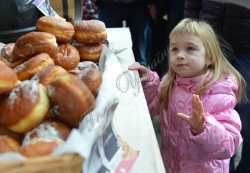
pixel 180 55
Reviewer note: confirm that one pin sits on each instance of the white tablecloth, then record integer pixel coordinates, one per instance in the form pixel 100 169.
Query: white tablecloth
pixel 131 119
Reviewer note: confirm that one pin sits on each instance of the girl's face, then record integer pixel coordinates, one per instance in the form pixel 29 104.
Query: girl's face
pixel 188 56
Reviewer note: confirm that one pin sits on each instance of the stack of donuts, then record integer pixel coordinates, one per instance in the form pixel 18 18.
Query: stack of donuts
pixel 49 80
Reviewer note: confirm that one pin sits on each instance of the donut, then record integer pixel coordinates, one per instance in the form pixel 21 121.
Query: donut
pixel 48 74
pixel 92 78
pixel 8 79
pixel 71 99
pixel 32 66
pixel 61 29
pixel 6 132
pixel 39 147
pixel 25 108
pixel 48 129
pixel 67 56
pixel 90 31
pixel 81 66
pixel 8 144
pixel 6 53
pixel 90 52
pixel 32 44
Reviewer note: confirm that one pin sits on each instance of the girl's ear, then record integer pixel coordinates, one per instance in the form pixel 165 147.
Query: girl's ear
pixel 209 61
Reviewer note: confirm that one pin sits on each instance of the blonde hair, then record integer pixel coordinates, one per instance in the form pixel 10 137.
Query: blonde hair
pixel 220 65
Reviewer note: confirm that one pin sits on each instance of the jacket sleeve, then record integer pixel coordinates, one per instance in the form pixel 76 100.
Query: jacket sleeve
pixel 151 92
pixel 192 8
pixel 221 137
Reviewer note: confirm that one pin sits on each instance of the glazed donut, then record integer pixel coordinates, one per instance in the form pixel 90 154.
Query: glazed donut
pixel 8 144
pixel 67 56
pixel 25 108
pixel 90 31
pixel 8 78
pixel 39 147
pixel 92 78
pixel 71 99
pixel 61 29
pixel 81 66
pixel 32 44
pixel 48 74
pixel 32 66
pixel 6 53
pixel 90 52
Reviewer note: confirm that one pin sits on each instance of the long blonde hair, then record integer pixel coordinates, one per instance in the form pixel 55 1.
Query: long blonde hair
pixel 220 65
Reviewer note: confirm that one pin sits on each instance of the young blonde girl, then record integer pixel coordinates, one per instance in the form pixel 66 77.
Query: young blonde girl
pixel 200 129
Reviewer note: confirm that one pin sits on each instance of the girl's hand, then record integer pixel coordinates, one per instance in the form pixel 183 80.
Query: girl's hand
pixel 197 119
pixel 143 71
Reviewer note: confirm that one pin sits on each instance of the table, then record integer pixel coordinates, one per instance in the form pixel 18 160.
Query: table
pixel 131 118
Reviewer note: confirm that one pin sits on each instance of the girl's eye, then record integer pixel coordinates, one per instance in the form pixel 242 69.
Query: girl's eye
pixel 190 48
pixel 174 49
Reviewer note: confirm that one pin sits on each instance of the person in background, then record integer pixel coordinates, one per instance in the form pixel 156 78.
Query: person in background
pixel 232 22
pixel 89 10
pixel 165 14
pixel 135 13
pixel 195 100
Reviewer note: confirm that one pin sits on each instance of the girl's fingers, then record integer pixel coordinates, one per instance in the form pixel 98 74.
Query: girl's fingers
pixel 194 102
pixel 143 71
pixel 134 65
pixel 145 77
pixel 183 116
pixel 201 109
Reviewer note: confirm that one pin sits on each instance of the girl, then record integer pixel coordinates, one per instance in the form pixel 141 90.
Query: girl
pixel 200 129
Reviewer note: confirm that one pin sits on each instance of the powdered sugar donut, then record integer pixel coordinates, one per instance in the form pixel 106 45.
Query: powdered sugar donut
pixel 32 66
pixel 8 78
pixel 92 78
pixel 67 56
pixel 71 99
pixel 48 74
pixel 39 147
pixel 48 129
pixel 81 66
pixel 32 44
pixel 90 31
pixel 6 53
pixel 61 29
pixel 25 107
pixel 90 52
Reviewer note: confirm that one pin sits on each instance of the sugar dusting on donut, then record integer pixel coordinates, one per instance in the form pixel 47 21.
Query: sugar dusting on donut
pixel 19 68
pixel 43 131
pixel 85 64
pixel 27 89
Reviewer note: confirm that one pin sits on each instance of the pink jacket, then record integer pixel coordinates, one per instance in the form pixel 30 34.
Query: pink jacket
pixel 209 151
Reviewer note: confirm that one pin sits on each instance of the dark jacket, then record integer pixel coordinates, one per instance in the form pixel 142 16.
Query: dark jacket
pixel 228 20
pixel 97 2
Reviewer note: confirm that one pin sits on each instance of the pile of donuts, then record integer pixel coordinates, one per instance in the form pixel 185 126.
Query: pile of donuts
pixel 49 80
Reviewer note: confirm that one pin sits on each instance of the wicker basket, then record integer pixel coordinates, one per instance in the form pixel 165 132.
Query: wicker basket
pixel 69 163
